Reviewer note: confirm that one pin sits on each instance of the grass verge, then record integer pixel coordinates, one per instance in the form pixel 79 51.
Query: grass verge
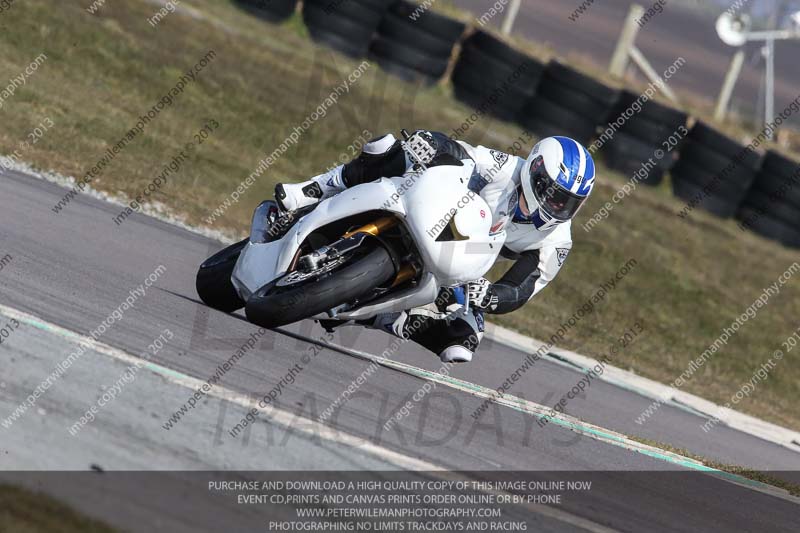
pixel 22 511
pixel 747 473
pixel 692 277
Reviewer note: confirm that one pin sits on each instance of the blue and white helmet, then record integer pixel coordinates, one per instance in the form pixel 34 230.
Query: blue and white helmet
pixel 557 179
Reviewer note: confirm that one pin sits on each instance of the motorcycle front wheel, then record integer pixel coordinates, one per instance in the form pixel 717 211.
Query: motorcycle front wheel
pixel 298 296
pixel 213 281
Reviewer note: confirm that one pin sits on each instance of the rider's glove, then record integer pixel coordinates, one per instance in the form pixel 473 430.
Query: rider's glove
pixel 421 148
pixel 480 294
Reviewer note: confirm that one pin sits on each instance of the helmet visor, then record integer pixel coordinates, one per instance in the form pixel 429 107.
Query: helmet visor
pixel 555 200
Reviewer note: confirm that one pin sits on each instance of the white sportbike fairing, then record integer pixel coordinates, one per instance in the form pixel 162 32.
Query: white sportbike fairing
pixel 378 247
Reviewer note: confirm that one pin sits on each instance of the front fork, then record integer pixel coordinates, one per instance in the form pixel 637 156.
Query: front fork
pixel 408 270
pixel 352 240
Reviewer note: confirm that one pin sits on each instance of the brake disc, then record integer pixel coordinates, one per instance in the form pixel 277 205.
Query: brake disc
pixel 293 278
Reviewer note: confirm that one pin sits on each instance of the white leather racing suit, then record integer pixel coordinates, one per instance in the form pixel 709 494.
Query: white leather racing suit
pixel 538 255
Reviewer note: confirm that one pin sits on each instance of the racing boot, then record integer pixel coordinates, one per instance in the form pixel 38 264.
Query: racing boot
pixel 294 196
pixel 392 323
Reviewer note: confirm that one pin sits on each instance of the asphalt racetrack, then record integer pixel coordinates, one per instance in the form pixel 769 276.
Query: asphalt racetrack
pixel 69 271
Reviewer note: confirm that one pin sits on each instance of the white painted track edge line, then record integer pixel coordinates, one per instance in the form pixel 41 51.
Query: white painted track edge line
pixel 655 390
pixel 573 424
pixel 643 386
pixel 281 417
pixel 277 415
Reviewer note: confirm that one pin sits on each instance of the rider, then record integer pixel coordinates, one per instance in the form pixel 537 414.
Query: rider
pixel 533 200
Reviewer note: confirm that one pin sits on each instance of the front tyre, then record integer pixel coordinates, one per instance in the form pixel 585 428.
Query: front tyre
pixel 303 297
pixel 214 284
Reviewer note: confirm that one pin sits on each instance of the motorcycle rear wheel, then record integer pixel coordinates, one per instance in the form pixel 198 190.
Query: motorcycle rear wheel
pixel 274 305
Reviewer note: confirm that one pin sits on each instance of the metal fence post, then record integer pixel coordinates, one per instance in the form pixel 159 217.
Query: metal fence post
pixel 511 17
pixel 727 87
pixel 619 61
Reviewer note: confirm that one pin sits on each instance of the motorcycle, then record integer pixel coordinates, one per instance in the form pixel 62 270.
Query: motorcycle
pixel 378 247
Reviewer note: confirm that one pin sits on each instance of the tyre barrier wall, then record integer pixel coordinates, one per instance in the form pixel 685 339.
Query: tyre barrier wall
pixel 568 102
pixel 416 44
pixel 772 206
pixel 272 10
pixel 646 143
pixel 708 166
pixel 495 78
pixel 344 25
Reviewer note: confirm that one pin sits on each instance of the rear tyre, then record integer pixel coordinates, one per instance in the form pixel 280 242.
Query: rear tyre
pixel 213 282
pixel 273 306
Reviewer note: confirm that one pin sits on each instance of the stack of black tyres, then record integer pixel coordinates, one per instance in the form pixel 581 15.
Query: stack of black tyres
pixel 272 10
pixel 344 25
pixel 772 206
pixel 493 77
pixel 641 138
pixel 568 103
pixel 417 48
pixel 714 168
